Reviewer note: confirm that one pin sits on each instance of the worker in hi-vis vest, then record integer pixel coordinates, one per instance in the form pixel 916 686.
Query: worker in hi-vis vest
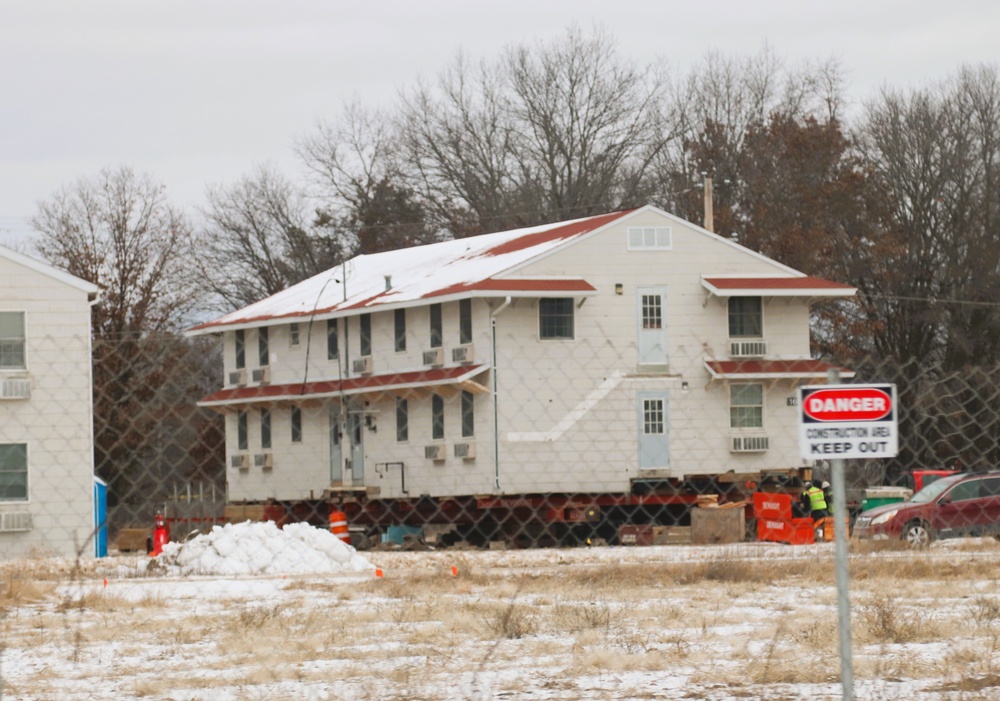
pixel 827 497
pixel 814 500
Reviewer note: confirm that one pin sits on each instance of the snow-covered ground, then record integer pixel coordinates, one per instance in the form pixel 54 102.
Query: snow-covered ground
pixel 253 612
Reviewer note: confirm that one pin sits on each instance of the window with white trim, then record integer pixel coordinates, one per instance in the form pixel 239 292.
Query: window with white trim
pixel 365 334
pixel 296 419
pixel 241 349
pixel 468 414
pixel 437 417
pixel 242 439
pixel 649 238
pixel 555 318
pixel 465 321
pixel 332 350
pixel 746 317
pixel 746 406
pixel 402 420
pixel 13 471
pixel 293 335
pixel 399 322
pixel 652 311
pixel 652 417
pixel 12 341
pixel 263 347
pixel 265 428
pixel 437 327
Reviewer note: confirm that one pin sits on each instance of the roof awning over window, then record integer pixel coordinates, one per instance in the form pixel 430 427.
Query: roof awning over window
pixel 794 371
pixel 415 383
pixel 805 286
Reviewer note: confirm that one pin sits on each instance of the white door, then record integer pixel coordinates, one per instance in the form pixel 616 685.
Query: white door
pixel 355 434
pixel 336 453
pixel 652 322
pixel 654 439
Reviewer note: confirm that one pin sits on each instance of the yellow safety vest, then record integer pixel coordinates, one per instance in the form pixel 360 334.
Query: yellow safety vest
pixel 817 502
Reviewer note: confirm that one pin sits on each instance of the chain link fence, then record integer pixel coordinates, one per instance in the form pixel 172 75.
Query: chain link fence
pixel 578 457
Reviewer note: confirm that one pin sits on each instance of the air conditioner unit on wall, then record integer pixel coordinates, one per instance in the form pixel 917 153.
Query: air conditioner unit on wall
pixel 262 375
pixel 748 349
pixel 15 389
pixel 238 378
pixel 434 452
pixel 264 460
pixel 462 354
pixel 466 451
pixel 240 461
pixel 15 521
pixel 363 365
pixel 434 357
pixel 748 444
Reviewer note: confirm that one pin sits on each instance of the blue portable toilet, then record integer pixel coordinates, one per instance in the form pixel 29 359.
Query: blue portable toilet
pixel 100 517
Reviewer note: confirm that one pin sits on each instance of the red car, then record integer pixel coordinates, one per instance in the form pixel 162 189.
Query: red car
pixel 963 504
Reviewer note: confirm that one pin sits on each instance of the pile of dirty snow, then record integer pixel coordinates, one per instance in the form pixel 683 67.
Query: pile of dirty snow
pixel 262 548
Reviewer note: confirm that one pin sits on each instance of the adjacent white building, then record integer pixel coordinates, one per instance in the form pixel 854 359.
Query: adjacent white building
pixel 574 357
pixel 46 424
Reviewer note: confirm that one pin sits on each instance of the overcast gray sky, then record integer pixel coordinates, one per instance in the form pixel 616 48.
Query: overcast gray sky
pixel 198 91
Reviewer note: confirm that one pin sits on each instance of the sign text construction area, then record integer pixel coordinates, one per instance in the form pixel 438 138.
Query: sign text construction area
pixel 848 421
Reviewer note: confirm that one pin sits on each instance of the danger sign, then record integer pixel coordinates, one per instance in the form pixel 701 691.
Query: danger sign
pixel 848 421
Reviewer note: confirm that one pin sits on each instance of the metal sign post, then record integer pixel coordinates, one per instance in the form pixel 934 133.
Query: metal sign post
pixel 838 422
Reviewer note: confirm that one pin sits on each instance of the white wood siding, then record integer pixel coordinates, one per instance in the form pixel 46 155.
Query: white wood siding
pixel 567 408
pixel 55 422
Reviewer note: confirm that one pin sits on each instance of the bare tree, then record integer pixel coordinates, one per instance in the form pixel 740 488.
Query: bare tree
pixel 118 231
pixel 545 133
pixel 259 239
pixel 457 142
pixel 356 175
pixel 717 105
pixel 935 152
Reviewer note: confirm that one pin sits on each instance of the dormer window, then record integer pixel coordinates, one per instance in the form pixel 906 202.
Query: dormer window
pixel 649 238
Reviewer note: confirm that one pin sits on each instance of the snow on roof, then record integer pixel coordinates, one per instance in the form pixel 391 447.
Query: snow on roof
pixel 404 276
pixel 262 548
pixel 786 286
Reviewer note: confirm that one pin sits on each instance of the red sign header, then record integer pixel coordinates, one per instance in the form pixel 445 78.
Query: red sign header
pixel 848 404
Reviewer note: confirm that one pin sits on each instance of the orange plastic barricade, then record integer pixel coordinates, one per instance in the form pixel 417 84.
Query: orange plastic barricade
pixel 775 522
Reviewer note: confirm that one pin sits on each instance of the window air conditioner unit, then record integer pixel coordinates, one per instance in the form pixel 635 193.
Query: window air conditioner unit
pixel 265 460
pixel 462 354
pixel 434 452
pixel 466 451
pixel 15 521
pixel 238 378
pixel 262 375
pixel 363 365
pixel 748 349
pixel 240 461
pixel 748 444
pixel 15 389
pixel 434 357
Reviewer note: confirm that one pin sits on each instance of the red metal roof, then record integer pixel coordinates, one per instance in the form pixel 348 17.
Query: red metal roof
pixel 349 386
pixel 566 231
pixel 772 368
pixel 765 284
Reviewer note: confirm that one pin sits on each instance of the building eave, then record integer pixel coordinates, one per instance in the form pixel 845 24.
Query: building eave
pixel 803 286
pixel 398 382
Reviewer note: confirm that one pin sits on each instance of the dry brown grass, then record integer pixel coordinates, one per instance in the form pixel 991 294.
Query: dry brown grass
pixel 727 623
